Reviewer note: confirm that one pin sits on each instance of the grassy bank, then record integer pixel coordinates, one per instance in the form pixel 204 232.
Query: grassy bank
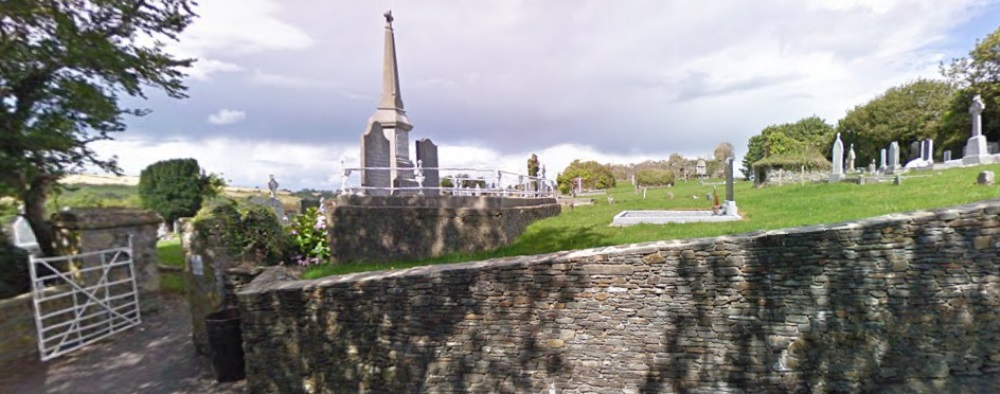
pixel 763 209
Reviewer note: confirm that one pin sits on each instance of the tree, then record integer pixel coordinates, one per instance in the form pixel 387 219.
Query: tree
pixel 810 134
pixel 63 67
pixel 175 188
pixel 654 177
pixel 979 73
pixel 533 165
pixel 594 175
pixel 724 151
pixel 904 113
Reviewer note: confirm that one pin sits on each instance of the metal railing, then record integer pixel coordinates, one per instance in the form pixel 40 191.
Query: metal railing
pixel 463 182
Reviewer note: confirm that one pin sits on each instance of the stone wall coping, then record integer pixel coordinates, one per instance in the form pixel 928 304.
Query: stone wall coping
pixel 458 202
pixel 101 218
pixel 431 271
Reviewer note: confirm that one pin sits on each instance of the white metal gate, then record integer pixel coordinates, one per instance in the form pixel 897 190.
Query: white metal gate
pixel 83 298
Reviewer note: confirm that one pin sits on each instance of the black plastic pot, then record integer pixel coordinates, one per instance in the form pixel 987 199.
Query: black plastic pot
pixel 226 344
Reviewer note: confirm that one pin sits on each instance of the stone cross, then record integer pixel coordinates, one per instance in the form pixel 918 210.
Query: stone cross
pixel 838 160
pixel 272 185
pixel 976 110
pixel 850 159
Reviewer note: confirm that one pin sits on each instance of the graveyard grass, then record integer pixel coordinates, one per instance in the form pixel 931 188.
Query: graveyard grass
pixel 768 208
pixel 170 253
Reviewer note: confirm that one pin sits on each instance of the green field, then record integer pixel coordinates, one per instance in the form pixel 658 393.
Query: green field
pixel 762 209
pixel 170 253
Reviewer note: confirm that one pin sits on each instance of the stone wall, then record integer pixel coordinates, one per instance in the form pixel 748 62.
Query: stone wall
pixel 18 334
pixel 843 307
pixel 91 229
pixel 780 177
pixel 380 229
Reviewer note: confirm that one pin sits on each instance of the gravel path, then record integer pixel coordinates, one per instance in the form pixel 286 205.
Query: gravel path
pixel 155 357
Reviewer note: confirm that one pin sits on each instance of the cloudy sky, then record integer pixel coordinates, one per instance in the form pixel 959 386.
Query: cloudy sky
pixel 286 87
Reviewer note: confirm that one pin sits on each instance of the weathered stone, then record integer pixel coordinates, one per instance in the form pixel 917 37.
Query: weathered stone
pixel 986 178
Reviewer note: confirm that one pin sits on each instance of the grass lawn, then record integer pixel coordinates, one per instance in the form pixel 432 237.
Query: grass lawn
pixel 762 209
pixel 170 253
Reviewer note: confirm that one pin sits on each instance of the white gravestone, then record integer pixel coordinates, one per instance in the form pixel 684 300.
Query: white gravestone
pixel 893 159
pixel 850 160
pixel 700 168
pixel 882 163
pixel 24 236
pixel 838 160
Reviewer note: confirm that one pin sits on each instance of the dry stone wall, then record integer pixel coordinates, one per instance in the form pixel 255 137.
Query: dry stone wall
pixel 382 229
pixel 832 308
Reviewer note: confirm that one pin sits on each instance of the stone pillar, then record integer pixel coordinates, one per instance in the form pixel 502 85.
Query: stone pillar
pixel 93 229
pixel 837 171
pixel 730 205
pixel 929 151
pixel 881 155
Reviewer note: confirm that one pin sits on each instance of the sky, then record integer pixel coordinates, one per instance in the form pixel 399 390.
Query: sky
pixel 286 87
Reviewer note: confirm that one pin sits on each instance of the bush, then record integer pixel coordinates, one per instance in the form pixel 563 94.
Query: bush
pixel 594 174
pixel 310 243
pixel 173 188
pixel 247 230
pixel 654 177
pixel 14 276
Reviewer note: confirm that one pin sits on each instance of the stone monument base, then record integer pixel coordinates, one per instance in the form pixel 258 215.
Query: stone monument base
pixel 976 151
pixel 729 207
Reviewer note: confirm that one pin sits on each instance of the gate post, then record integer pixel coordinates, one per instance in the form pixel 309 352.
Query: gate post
pixel 91 229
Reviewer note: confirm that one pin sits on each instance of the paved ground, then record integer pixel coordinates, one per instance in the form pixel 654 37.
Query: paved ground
pixel 155 357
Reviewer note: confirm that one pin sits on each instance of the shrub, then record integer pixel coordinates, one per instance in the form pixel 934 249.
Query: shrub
pixel 173 188
pixel 654 177
pixel 594 175
pixel 247 230
pixel 310 243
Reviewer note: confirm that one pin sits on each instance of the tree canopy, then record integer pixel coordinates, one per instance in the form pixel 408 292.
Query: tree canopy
pixel 904 113
pixel 175 188
pixel 64 66
pixel 594 176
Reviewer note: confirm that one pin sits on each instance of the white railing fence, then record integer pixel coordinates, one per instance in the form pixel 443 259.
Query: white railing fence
pixel 76 308
pixel 462 182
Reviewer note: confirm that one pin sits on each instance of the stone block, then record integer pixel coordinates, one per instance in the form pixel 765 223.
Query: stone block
pixel 986 178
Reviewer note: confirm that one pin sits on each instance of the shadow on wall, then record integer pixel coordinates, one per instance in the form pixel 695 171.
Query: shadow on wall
pixel 837 311
pixel 398 335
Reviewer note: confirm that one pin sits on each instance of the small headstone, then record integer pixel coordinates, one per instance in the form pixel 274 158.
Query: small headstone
pixel 871 167
pixel 670 195
pixel 708 196
pixel 893 159
pixel 898 180
pixel 946 155
pixel 986 178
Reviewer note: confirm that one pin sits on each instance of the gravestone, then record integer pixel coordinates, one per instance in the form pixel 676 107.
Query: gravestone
pixel 579 184
pixel 850 160
pixel 916 151
pixel 946 156
pixel 272 201
pixel 700 168
pixel 24 236
pixel 837 171
pixel 976 150
pixel 881 155
pixel 993 148
pixel 893 164
pixel 871 167
pixel 375 153
pixel 427 155
pixel 986 178
pixel 928 151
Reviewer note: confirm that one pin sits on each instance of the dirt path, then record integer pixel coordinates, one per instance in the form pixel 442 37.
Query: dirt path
pixel 156 357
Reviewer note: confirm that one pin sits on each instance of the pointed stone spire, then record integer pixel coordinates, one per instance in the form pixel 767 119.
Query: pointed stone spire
pixel 390 113
pixel 391 97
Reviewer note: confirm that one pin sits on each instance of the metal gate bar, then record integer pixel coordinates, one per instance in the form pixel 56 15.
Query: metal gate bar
pixel 93 311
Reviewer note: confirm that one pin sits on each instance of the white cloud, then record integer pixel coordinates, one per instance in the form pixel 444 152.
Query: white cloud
pixel 226 116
